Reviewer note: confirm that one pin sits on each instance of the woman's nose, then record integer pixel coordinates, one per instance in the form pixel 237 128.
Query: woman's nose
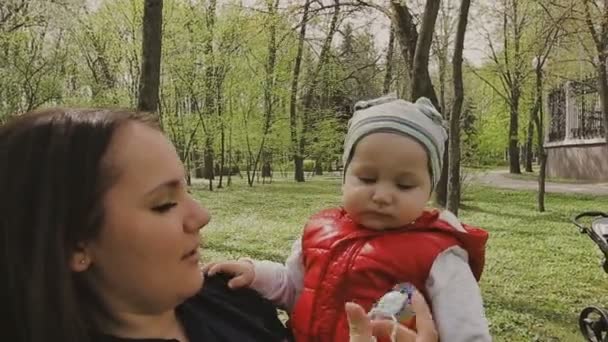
pixel 198 217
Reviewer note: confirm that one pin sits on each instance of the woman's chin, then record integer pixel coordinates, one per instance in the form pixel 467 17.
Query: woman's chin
pixel 193 283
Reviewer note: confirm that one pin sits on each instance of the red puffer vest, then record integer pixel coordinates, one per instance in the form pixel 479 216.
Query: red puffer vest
pixel 345 262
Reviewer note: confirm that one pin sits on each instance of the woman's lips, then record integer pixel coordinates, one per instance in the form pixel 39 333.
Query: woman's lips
pixel 191 253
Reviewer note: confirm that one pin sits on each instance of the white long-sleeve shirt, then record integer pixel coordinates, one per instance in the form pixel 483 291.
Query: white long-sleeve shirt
pixel 453 291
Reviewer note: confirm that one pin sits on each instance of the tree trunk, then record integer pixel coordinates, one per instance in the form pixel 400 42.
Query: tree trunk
pixel 307 101
pixel 197 161
pixel 250 176
pixel 541 180
pixel 513 135
pixel 529 146
pixel 423 85
pixel 298 159
pixel 388 75
pixel 415 48
pixel 269 85
pixel 269 97
pixel 209 92
pixel 208 163
pixel 603 90
pixel 441 53
pixel 151 55
pixel 222 155
pixel 220 113
pixel 442 101
pixel 318 168
pixel 442 59
pixel 441 192
pixel 537 116
pixel 454 145
pixel 406 31
pixel 230 162
pixel 188 173
pixel 299 168
pixel 515 90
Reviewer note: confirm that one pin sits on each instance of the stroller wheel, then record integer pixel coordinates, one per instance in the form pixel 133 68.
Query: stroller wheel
pixel 593 322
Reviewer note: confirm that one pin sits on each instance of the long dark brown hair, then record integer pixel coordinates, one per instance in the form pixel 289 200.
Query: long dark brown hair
pixel 53 176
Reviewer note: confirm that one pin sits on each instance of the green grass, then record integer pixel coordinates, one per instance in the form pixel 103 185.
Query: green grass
pixel 539 271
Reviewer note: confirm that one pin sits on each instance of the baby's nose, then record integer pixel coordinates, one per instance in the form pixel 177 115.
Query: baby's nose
pixel 382 195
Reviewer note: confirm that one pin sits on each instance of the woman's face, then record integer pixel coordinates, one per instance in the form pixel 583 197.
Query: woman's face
pixel 145 259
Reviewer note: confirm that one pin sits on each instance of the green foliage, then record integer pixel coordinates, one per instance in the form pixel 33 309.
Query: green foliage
pixel 33 56
pixel 73 55
pixel 327 138
pixel 309 165
pixel 469 135
pixel 491 122
pixel 358 59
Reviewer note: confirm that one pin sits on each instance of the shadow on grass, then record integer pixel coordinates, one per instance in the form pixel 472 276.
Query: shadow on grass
pixel 505 213
pixel 536 234
pixel 244 251
pixel 530 307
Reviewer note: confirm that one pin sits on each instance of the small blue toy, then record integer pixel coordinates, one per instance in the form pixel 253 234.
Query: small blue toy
pixel 395 304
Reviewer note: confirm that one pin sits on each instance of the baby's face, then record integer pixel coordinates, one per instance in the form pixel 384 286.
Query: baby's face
pixel 387 182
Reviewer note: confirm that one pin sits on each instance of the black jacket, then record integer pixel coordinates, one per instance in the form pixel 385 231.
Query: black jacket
pixel 220 314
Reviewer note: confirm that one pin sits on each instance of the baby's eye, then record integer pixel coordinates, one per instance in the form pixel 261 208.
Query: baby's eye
pixel 367 180
pixel 405 186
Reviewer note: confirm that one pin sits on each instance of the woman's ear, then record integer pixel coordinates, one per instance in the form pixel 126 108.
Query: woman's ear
pixel 80 259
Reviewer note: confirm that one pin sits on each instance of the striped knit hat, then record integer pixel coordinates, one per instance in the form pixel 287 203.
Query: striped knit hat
pixel 419 121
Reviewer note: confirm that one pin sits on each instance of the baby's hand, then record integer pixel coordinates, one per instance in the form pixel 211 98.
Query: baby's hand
pixel 242 272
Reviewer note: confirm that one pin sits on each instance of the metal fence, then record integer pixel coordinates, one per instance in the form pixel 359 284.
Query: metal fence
pixel 575 111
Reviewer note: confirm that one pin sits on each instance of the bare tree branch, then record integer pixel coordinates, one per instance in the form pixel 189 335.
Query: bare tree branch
pixel 590 25
pixel 474 71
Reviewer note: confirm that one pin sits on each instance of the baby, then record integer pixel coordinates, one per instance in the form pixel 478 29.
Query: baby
pixel 383 234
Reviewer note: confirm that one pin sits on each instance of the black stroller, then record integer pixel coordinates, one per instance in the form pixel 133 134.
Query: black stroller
pixel 593 320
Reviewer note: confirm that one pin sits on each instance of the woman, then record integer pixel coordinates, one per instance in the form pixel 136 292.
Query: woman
pixel 99 239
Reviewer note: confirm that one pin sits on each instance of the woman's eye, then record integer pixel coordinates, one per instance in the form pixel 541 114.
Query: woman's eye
pixel 163 208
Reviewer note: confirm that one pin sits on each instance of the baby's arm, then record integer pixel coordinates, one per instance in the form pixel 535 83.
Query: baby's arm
pixel 456 298
pixel 280 283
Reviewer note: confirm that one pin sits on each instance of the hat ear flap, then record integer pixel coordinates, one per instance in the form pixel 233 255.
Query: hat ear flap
pixel 424 101
pixel 427 108
pixel 390 97
pixel 361 105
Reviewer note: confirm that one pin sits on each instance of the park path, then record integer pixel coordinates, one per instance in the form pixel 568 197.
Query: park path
pixel 501 179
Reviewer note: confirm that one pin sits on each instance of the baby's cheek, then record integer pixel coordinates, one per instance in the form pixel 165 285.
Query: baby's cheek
pixel 351 205
pixel 424 198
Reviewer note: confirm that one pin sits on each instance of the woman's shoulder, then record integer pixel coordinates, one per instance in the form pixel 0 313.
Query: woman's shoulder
pixel 233 314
